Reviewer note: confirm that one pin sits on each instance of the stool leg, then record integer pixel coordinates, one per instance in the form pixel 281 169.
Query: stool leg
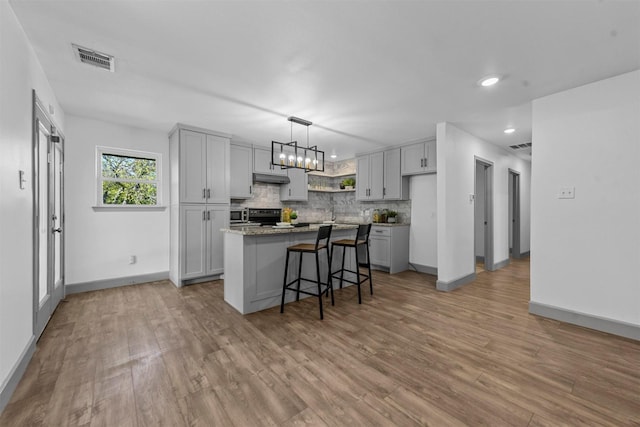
pixel 284 283
pixel 329 278
pixel 299 276
pixel 319 287
pixel 330 271
pixel 369 266
pixel 342 269
pixel 358 274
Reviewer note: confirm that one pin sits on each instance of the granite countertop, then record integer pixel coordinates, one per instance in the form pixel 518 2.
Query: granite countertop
pixel 261 231
pixel 391 224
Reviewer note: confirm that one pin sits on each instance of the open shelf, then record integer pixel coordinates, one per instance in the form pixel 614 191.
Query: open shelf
pixel 331 190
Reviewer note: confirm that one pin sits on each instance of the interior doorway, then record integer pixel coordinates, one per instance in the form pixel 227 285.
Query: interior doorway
pixel 48 217
pixel 514 214
pixel 483 216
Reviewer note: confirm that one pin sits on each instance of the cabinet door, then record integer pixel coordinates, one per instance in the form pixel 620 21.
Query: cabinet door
pixel 379 250
pixel 193 166
pixel 392 178
pixel 241 165
pixel 217 218
pixel 362 178
pixel 262 162
pixel 431 157
pixel 193 241
pixel 412 158
pixel 297 189
pixel 217 169
pixel 376 176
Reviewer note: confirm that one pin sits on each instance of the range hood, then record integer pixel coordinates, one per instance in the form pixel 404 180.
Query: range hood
pixel 271 179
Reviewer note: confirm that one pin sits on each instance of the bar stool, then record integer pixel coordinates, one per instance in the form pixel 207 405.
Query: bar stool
pixel 324 233
pixel 362 238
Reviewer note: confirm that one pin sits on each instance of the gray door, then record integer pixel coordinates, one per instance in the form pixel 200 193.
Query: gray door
pixel 484 213
pixel 48 156
pixel 514 213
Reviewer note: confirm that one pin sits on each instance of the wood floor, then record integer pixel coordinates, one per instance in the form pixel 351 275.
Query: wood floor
pixel 152 355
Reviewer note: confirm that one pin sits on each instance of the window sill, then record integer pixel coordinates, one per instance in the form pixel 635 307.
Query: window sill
pixel 125 208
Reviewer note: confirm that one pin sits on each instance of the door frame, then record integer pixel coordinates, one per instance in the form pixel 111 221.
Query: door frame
pixel 514 195
pixel 488 212
pixel 42 312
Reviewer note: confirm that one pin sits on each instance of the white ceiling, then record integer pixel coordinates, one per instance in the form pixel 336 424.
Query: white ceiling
pixel 368 74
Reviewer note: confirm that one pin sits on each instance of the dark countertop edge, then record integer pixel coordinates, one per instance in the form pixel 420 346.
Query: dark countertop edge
pixel 262 231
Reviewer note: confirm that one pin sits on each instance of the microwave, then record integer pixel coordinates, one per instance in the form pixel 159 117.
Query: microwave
pixel 237 215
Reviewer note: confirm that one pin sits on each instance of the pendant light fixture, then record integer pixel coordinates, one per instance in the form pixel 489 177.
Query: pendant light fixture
pixel 288 155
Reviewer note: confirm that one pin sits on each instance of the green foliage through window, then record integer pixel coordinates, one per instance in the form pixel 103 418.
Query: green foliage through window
pixel 128 180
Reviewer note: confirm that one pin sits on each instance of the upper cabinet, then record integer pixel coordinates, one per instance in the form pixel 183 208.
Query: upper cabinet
pixel 204 167
pixel 378 177
pixel 370 177
pixel 419 158
pixel 297 188
pixel 396 187
pixel 262 162
pixel 241 169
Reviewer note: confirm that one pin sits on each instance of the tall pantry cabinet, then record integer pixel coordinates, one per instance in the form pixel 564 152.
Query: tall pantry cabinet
pixel 200 178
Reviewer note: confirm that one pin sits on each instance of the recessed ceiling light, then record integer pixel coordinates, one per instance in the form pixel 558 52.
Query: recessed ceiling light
pixel 509 130
pixel 333 156
pixel 489 81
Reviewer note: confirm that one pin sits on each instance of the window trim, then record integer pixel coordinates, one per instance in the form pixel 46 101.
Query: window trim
pixel 157 157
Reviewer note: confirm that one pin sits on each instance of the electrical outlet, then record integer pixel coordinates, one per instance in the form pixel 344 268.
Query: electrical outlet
pixel 132 259
pixel 567 193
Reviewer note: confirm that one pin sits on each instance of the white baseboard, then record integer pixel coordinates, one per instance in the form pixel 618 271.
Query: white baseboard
pixel 11 382
pixel 96 285
pixel 615 327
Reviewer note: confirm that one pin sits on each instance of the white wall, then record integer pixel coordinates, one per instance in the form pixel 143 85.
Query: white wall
pixel 424 224
pixel 99 243
pixel 20 72
pixel 456 151
pixel 586 251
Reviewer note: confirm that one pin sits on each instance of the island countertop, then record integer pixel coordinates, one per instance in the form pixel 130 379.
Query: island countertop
pixel 268 231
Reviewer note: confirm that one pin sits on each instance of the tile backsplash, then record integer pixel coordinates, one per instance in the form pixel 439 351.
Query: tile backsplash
pixel 321 205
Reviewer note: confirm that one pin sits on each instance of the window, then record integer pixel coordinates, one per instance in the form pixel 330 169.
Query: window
pixel 128 178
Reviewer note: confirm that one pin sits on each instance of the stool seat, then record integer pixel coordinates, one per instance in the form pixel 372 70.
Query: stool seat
pixel 362 239
pixel 305 247
pixel 348 242
pixel 324 233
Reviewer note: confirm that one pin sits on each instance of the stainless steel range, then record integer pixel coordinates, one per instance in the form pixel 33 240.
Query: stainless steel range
pixel 264 216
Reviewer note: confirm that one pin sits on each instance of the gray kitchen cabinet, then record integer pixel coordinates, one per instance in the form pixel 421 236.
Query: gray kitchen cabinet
pixel 389 248
pixel 201 241
pixel 204 167
pixel 419 158
pixel 241 167
pixel 262 162
pixel 396 187
pixel 200 190
pixel 378 177
pixel 297 189
pixel 370 177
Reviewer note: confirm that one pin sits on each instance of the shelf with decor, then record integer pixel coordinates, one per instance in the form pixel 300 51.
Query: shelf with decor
pixel 332 183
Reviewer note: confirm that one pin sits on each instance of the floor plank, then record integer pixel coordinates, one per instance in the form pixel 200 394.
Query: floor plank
pixel 152 354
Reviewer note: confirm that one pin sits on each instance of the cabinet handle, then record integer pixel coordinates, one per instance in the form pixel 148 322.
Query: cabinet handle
pixel 289 192
pixel 208 215
pixel 204 215
pixel 208 193
pixel 249 189
pixel 384 191
pixel 204 193
pixel 378 231
pixel 426 162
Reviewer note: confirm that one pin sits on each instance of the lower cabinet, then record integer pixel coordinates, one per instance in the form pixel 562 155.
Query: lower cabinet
pixel 389 248
pixel 201 245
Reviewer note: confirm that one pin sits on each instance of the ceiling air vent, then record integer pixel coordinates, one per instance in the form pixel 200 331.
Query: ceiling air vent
pixel 520 146
pixel 97 59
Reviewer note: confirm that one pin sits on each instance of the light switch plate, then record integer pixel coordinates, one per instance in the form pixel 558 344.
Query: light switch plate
pixel 567 193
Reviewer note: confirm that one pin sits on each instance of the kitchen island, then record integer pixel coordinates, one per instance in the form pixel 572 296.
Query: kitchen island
pixel 254 260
